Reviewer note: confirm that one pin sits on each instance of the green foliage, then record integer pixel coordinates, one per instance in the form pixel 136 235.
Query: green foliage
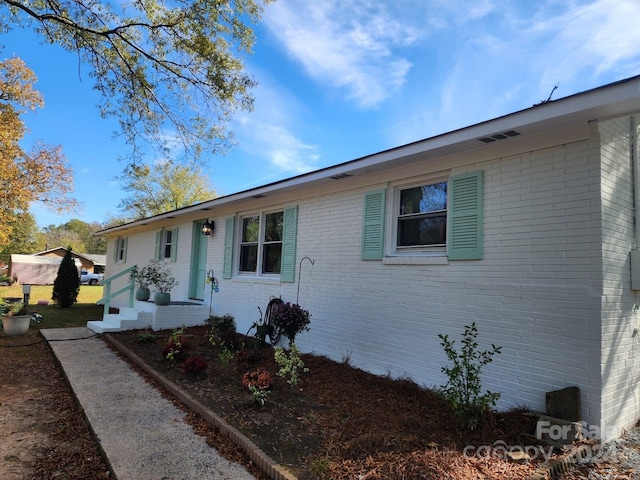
pixel 222 323
pixel 464 388
pixel 162 187
pixel 146 337
pixel 66 286
pixel 320 468
pixel 258 395
pixel 225 355
pixel 176 345
pixel 291 365
pixel 159 66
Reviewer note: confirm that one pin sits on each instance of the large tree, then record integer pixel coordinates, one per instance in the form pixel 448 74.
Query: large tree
pixel 156 64
pixel 25 177
pixel 163 187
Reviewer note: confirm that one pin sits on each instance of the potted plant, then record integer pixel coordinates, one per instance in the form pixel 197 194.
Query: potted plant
pixel 163 281
pixel 263 328
pixel 15 320
pixel 143 279
pixel 290 319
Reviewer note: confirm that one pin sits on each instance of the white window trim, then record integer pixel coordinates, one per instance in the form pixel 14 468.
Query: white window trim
pixel 120 248
pixel 238 242
pixel 410 255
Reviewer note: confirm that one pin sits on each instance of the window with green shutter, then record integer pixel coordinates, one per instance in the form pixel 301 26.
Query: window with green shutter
pixel 465 230
pixel 266 244
pixel 167 244
pixel 440 217
pixel 373 225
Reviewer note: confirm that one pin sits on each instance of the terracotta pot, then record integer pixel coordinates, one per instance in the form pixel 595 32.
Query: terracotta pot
pixel 16 325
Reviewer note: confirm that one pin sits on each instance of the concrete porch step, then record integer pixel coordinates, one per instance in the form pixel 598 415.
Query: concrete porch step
pixel 127 319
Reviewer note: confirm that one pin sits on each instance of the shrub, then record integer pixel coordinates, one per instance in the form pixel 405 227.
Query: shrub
pixel 290 319
pixel 223 332
pixel 176 345
pixel 66 286
pixel 222 323
pixel 193 366
pixel 464 389
pixel 259 378
pixel 291 365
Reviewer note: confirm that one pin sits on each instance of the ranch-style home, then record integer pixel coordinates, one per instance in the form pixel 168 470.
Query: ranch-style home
pixel 526 224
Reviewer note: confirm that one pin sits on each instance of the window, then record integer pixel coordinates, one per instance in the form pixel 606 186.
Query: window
pixel 167 244
pixel 261 243
pixel 120 253
pixel 445 217
pixel 422 216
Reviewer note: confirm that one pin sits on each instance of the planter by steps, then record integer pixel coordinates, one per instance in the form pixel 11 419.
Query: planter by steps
pixel 16 325
pixel 143 294
pixel 162 298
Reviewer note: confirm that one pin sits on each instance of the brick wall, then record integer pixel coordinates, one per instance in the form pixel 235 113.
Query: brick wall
pixel 538 292
pixel 620 321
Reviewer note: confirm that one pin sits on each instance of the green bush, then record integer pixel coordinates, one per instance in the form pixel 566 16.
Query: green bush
pixel 66 286
pixel 464 388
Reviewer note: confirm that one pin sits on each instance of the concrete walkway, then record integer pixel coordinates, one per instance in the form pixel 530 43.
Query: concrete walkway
pixel 143 435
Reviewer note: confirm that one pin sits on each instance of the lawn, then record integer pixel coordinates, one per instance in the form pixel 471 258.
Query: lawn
pixel 54 316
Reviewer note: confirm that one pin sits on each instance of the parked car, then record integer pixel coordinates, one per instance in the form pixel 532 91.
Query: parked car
pixel 87 278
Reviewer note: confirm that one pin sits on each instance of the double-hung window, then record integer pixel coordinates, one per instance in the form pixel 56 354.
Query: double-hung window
pixel 422 217
pixel 428 218
pixel 167 244
pixel 261 243
pixel 120 253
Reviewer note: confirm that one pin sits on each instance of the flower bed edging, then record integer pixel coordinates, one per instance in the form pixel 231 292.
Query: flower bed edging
pixel 262 460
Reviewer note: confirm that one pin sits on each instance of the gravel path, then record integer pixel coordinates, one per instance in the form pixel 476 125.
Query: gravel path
pixel 618 459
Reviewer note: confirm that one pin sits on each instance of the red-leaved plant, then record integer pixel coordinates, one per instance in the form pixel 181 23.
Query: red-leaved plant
pixel 193 366
pixel 291 319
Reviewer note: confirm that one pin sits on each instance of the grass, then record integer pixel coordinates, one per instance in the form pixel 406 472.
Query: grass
pixel 54 316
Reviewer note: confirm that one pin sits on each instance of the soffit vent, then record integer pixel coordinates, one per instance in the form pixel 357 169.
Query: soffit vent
pixel 340 176
pixel 499 136
pixel 259 195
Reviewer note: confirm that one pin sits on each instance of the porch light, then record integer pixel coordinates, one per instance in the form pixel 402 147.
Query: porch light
pixel 207 228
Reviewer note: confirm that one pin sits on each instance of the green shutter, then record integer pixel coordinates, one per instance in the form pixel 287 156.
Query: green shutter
pixel 228 248
pixel 158 244
pixel 288 260
pixel 115 250
pixel 464 223
pixel 373 225
pixel 125 241
pixel 174 244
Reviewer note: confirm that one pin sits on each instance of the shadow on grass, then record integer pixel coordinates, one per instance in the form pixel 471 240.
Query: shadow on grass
pixel 77 315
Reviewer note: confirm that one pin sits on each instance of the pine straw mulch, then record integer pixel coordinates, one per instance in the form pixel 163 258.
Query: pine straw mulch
pixel 340 422
pixel 44 433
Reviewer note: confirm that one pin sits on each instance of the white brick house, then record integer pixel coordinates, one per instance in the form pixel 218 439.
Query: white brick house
pixel 524 224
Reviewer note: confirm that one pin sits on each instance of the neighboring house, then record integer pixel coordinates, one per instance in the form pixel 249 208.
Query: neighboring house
pixel 525 224
pixel 36 270
pixel 92 263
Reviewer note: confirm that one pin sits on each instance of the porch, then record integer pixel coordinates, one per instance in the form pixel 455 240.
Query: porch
pixel 145 314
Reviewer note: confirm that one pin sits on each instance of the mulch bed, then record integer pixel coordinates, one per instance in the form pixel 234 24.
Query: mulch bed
pixel 340 422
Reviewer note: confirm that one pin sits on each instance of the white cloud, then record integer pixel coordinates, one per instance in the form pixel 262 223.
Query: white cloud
pixel 348 45
pixel 268 131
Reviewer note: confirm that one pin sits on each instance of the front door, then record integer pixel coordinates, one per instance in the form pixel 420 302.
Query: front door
pixel 198 274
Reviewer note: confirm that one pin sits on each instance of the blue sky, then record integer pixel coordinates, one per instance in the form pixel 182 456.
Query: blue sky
pixel 339 80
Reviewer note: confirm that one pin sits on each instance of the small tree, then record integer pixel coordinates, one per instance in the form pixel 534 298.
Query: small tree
pixel 66 286
pixel 464 388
